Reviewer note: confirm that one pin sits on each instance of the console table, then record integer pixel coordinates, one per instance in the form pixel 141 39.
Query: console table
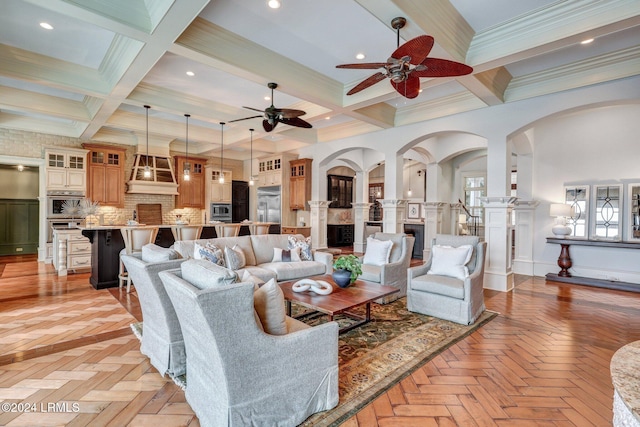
pixel 565 263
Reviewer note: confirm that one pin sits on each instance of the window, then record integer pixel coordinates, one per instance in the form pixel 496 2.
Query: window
pixel 474 189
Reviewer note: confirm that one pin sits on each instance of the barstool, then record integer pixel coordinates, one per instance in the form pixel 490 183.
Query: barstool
pixel 186 232
pixel 134 239
pixel 259 228
pixel 227 230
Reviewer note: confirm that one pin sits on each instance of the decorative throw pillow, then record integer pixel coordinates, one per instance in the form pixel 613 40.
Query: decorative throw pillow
pixel 377 252
pixel 268 302
pixel 248 277
pixel 286 255
pixel 304 244
pixel 450 261
pixel 154 253
pixel 210 253
pixel 204 275
pixel 234 257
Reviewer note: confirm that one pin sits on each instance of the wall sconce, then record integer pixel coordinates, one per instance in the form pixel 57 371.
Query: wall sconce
pixel 560 211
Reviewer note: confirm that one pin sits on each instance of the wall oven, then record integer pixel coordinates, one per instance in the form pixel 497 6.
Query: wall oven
pixel 220 212
pixel 55 200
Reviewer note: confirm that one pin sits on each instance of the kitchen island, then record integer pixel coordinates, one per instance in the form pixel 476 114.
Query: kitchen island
pixel 107 242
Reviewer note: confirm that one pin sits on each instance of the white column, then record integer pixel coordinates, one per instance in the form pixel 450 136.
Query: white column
pixel 360 215
pixel 497 233
pixel 524 230
pixel 393 215
pixel 319 213
pixel 434 223
pixel 454 215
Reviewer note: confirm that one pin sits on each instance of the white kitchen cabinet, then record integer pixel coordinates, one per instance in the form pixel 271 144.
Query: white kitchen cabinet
pixel 66 169
pixel 71 250
pixel 216 192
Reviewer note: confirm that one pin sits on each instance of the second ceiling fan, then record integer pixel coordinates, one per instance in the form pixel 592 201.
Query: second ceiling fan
pixel 407 64
pixel 273 116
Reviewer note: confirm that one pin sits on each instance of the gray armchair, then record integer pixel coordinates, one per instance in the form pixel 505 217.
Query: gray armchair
pixel 237 374
pixel 449 298
pixel 161 336
pixel 394 273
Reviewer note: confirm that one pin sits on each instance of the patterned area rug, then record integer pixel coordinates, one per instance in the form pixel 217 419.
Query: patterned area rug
pixel 374 357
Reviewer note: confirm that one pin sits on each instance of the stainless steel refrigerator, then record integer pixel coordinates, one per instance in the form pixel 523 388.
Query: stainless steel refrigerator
pixel 269 206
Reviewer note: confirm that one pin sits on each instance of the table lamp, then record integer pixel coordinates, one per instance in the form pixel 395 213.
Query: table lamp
pixel 560 211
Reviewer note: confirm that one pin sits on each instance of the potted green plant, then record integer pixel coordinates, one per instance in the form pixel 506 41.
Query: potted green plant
pixel 347 269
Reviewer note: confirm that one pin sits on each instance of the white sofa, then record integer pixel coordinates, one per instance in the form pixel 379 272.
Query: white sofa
pixel 258 251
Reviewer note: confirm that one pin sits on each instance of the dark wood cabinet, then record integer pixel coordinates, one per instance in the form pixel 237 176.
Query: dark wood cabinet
pixel 239 201
pixel 340 191
pixel 417 231
pixel 340 234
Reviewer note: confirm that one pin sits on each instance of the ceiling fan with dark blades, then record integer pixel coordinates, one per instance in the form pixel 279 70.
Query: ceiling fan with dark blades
pixel 273 115
pixel 407 64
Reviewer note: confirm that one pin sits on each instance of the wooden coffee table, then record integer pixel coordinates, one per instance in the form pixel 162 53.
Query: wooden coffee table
pixel 340 300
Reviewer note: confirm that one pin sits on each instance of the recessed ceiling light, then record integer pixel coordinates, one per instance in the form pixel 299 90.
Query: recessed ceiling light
pixel 190 73
pixel 46 26
pixel 587 41
pixel 360 56
pixel 267 98
pixel 328 118
pixel 273 4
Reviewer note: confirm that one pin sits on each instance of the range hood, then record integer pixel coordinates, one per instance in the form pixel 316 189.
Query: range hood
pixel 162 180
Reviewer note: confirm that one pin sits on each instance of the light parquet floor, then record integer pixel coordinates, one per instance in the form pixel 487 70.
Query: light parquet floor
pixel 543 362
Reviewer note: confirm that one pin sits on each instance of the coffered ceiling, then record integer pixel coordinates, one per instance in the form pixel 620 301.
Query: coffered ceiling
pixel 90 75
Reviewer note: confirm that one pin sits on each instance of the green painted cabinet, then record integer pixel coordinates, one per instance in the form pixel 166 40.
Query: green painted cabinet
pixel 18 226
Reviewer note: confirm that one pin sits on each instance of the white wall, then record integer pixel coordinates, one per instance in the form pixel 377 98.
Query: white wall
pixel 595 146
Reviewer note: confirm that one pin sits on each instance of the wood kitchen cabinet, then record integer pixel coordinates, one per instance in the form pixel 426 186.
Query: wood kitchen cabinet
pixel 305 231
pixel 190 193
pixel 299 183
pixel 66 169
pixel 106 174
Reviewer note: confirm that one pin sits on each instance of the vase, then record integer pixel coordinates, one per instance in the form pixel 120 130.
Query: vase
pixel 342 277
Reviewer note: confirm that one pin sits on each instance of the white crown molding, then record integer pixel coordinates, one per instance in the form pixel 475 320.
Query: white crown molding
pixel 548 27
pixel 452 104
pixel 611 66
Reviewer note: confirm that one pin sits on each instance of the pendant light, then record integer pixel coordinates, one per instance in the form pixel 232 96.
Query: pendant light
pixel 251 182
pixel 187 167
pixel 147 169
pixel 409 192
pixel 221 179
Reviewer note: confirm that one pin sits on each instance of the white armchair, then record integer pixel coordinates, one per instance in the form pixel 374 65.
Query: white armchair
pixel 446 297
pixel 393 273
pixel 239 375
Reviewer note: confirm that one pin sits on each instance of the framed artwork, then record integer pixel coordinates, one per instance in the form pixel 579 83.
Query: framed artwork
pixel 413 210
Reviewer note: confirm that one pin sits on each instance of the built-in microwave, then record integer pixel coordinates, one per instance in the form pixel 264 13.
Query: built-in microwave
pixel 55 202
pixel 220 212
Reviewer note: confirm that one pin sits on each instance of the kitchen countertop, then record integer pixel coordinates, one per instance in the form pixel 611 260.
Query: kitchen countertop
pixel 625 375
